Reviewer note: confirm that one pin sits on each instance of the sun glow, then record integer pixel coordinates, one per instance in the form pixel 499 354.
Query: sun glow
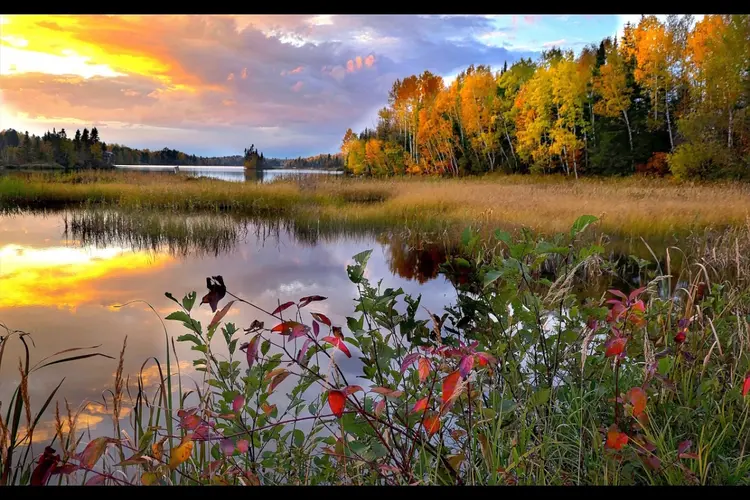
pixel 65 277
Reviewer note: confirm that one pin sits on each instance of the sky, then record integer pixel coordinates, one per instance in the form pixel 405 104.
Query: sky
pixel 213 85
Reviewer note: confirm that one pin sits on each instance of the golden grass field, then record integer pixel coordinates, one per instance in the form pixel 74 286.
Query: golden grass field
pixel 629 206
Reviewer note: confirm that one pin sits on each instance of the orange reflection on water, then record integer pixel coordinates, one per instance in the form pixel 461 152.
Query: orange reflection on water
pixel 65 277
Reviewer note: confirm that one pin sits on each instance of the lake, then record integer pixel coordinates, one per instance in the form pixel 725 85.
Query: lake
pixel 62 280
pixel 232 174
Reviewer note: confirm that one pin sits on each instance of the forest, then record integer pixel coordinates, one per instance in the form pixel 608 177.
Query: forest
pixel 666 98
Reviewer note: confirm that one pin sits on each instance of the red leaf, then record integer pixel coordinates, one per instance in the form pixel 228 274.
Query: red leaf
pixel 431 423
pixel 267 409
pixel 409 360
pixel 419 405
pixel 684 446
pixel 424 369
pixel 484 358
pixel 282 307
pixel 618 293
pixel 351 389
pixel 615 346
pixel 94 450
pixel 220 315
pixel 252 350
pixel 339 344
pixel 243 445
pixel 312 298
pixel 289 328
pixel 188 419
pixel 238 403
pixel 277 380
pixel 465 366
pixel 303 351
pixel 216 291
pixel 322 318
pixel 44 467
pixel 638 399
pixel 449 385
pixel 616 439
pixel 746 385
pixel 336 400
pixel 226 446
pixel 316 329
pixel 389 393
pixel 96 480
pixel 337 332
pixel 380 407
pixel 635 293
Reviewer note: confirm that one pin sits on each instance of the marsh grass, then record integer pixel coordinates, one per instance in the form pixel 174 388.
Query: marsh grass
pixel 628 206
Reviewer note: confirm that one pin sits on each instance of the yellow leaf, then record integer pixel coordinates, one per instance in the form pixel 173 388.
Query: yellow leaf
pixel 157 449
pixel 148 478
pixel 180 454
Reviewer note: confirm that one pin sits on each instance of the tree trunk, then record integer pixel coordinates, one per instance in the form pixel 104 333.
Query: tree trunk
pixel 630 134
pixel 669 122
pixel 729 134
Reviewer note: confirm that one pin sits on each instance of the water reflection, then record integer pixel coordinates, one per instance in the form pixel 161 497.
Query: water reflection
pixel 61 274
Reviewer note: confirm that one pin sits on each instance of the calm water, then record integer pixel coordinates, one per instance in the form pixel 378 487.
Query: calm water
pixel 233 174
pixel 62 288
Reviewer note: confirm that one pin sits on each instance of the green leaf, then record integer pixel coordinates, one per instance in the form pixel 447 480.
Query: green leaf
pixel 188 301
pixel 179 316
pixel 299 437
pixel 362 257
pixel 540 397
pixel 192 338
pixel 171 297
pixel 581 224
pixel 466 237
pixel 490 277
pixel 265 346
pixel 503 236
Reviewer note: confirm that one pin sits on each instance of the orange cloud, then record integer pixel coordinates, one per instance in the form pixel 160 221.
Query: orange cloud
pixel 369 61
pixel 359 62
pixel 350 66
pixel 95 45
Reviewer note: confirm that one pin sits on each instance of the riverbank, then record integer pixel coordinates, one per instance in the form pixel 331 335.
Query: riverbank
pixel 630 206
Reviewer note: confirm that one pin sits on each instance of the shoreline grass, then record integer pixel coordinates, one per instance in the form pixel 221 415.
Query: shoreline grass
pixel 626 206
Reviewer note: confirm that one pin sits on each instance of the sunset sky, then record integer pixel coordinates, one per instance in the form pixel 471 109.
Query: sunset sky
pixel 212 85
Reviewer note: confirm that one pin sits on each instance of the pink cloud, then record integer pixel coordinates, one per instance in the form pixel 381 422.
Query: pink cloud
pixel 369 61
pixel 531 19
pixel 350 66
pixel 359 62
pixel 297 86
pixel 243 75
pixel 230 77
pixel 297 70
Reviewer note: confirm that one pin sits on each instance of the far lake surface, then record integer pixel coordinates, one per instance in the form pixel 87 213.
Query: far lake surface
pixel 232 174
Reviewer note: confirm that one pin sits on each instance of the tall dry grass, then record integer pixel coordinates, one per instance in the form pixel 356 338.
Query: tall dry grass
pixel 630 206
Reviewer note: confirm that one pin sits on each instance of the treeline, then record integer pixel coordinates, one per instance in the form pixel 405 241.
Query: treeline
pixel 666 98
pixel 85 149
pixel 82 150
pixel 321 161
